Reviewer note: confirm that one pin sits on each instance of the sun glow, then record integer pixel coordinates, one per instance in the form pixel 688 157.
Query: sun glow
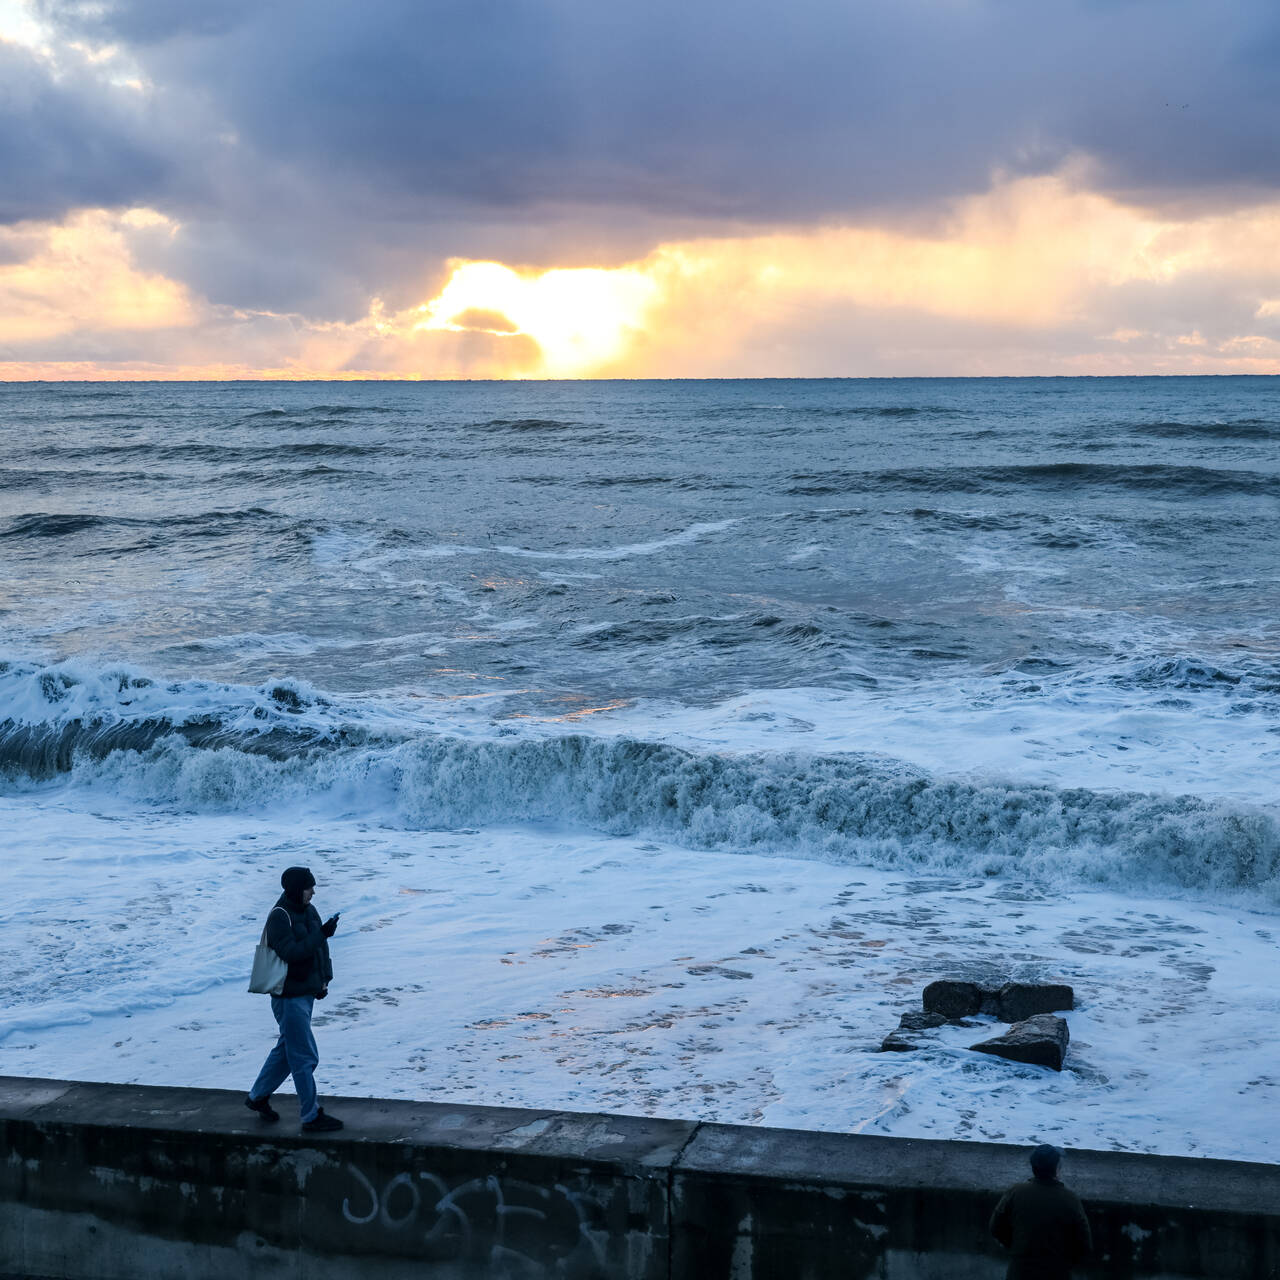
pixel 1037 276
pixel 580 317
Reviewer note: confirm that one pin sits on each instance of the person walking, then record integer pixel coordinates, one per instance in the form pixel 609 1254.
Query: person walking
pixel 1042 1223
pixel 295 934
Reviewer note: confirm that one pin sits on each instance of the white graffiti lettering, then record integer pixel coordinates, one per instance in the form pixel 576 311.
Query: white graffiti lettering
pixel 519 1227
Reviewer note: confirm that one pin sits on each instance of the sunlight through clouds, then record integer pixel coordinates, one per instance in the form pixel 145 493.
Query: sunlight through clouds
pixel 1032 255
pixel 580 318
pixel 1037 276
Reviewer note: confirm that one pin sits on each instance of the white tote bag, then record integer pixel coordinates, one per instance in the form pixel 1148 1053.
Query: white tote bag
pixel 269 971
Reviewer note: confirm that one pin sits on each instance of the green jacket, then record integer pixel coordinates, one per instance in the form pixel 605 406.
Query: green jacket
pixel 1044 1226
pixel 294 934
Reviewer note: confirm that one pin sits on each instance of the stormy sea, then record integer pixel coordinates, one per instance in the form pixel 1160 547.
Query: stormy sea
pixel 658 741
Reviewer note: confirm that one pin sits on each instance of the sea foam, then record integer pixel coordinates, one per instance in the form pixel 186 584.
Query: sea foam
pixel 219 748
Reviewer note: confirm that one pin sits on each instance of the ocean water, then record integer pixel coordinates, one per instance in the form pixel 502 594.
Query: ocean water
pixel 634 725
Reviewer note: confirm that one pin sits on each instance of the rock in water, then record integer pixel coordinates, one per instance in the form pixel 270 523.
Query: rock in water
pixel 898 1041
pixel 1021 1000
pixel 894 1043
pixel 1041 1040
pixel 920 1021
pixel 953 999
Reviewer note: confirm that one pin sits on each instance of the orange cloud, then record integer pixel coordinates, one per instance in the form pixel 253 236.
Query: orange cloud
pixel 80 276
pixel 1037 276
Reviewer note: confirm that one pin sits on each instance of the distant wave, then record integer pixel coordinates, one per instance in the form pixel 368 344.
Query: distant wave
pixel 722 633
pixel 1182 481
pixel 329 410
pixel 39 524
pixel 198 452
pixel 790 411
pixel 1241 429
pixel 217 748
pixel 525 424
pixel 689 482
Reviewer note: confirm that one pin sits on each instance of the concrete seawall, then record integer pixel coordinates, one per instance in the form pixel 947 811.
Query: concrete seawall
pixel 122 1182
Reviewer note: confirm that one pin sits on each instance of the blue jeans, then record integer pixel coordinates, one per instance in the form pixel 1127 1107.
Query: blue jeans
pixel 295 1054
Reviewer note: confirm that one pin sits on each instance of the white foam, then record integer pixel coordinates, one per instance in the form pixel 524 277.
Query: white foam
pixel 625 551
pixel 1064 734
pixel 215 748
pixel 544 967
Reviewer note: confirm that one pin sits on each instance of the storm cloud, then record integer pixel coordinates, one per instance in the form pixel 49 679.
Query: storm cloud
pixel 317 153
pixel 817 108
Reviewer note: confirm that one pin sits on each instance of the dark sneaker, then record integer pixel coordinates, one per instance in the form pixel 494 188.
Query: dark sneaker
pixel 322 1123
pixel 264 1108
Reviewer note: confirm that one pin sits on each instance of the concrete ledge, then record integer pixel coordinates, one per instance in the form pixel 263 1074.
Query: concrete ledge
pixel 121 1182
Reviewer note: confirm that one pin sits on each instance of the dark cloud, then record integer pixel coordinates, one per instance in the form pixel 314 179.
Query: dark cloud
pixel 319 151
pixel 67 141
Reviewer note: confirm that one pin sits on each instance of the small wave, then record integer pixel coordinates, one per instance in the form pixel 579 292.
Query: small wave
pixel 623 482
pixel 1241 429
pixel 66 524
pixel 343 410
pixel 50 526
pixel 716 633
pixel 291 475
pixel 1176 481
pixel 687 482
pixel 981 522
pixel 836 411
pixel 525 424
pixel 198 452
pixel 1197 674
pixel 112 415
pixel 329 410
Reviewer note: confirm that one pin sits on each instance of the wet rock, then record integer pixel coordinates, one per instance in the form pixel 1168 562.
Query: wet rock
pixel 1021 1000
pixel 1041 1041
pixel 952 998
pixel 920 1021
pixel 895 1043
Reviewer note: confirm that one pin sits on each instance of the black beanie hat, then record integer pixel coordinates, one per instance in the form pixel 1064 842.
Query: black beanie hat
pixel 1044 1161
pixel 294 879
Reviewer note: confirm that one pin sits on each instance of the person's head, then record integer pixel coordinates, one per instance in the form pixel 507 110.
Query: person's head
pixel 1044 1162
pixel 298 884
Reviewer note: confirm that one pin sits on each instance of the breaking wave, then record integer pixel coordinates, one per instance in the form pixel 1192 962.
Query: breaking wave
pixel 209 747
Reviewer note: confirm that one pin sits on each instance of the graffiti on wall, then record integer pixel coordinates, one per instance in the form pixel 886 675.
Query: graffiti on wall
pixel 517 1229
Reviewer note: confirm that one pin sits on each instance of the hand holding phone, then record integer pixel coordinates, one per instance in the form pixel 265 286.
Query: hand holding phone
pixel 330 926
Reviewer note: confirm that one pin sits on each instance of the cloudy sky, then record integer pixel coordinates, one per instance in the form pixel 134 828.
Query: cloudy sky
pixel 665 188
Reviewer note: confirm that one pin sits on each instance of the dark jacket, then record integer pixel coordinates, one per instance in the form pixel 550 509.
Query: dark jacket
pixel 1044 1226
pixel 294 934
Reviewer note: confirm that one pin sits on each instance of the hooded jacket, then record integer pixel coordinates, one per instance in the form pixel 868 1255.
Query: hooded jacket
pixel 294 934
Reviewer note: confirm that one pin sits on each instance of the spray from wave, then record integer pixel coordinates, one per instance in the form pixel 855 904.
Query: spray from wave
pixel 218 748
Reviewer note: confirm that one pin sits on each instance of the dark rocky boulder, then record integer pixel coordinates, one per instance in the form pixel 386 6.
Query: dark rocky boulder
pixel 1041 1041
pixel 920 1021
pixel 1012 1002
pixel 1021 1000
pixel 952 998
pixel 895 1043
